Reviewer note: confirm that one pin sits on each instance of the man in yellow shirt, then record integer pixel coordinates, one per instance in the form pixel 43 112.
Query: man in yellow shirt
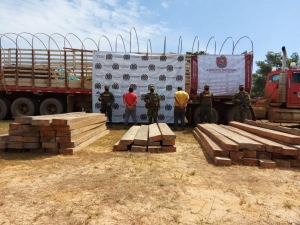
pixel 181 98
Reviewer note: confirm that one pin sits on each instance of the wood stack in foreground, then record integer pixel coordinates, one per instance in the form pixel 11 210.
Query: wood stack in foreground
pixel 249 145
pixel 60 133
pixel 154 138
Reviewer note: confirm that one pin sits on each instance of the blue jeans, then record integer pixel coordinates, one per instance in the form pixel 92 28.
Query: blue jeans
pixel 179 113
pixel 132 113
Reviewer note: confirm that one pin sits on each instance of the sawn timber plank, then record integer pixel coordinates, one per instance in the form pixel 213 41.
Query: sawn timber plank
pixel 129 136
pixel 154 133
pixel 166 132
pixel 223 141
pixel 276 135
pixel 141 137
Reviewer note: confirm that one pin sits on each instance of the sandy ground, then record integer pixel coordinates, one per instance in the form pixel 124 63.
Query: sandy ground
pixel 99 186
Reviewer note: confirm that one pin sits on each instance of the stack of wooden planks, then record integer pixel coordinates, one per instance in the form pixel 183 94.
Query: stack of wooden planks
pixel 154 138
pixel 60 133
pixel 251 145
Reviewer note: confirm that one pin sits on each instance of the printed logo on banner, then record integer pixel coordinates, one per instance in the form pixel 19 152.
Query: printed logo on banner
pixel 98 66
pixel 115 66
pixel 162 97
pixel 133 86
pixel 161 117
pixel 133 66
pixel 115 106
pixel 169 88
pixel 97 86
pixel 145 57
pixel 97 105
pixel 221 61
pixel 179 77
pixel 180 58
pixel 144 77
pixel 142 96
pixel 151 67
pixel 126 57
pixel 108 76
pixel 143 117
pixel 126 76
pixel 162 78
pixel 115 86
pixel 168 107
pixel 163 58
pixel 109 56
pixel 169 68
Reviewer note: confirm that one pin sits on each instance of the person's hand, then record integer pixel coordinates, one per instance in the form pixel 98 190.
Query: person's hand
pixel 158 108
pixel 148 101
pixel 238 101
pixel 108 104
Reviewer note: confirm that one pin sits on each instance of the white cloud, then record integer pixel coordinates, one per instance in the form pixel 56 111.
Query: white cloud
pixel 165 4
pixel 83 18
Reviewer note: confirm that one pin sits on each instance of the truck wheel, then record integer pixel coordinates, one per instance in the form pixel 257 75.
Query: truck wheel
pixel 24 107
pixel 52 106
pixel 215 115
pixel 5 109
pixel 231 112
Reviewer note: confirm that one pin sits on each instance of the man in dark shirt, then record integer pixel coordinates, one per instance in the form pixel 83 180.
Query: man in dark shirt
pixel 107 99
pixel 206 99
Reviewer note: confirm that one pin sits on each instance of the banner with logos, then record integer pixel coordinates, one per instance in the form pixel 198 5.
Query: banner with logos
pixel 123 70
pixel 223 73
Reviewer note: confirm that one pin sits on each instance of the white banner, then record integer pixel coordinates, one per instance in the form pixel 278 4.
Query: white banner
pixel 223 73
pixel 122 70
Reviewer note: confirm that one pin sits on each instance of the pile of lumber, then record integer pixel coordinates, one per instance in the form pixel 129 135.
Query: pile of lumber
pixel 250 145
pixel 153 138
pixel 60 133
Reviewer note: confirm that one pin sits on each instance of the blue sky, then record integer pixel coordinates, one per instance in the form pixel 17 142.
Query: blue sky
pixel 270 24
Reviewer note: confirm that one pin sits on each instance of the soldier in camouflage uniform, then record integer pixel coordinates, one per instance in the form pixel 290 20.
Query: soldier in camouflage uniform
pixel 241 99
pixel 107 99
pixel 152 100
pixel 206 99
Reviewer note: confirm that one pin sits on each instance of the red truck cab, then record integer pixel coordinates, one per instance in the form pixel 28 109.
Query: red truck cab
pixel 292 87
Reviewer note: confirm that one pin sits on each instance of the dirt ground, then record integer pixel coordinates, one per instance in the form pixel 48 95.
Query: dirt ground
pixel 99 186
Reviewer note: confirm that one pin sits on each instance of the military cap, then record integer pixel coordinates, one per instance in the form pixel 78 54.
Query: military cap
pixel 206 85
pixel 241 85
pixel 106 86
pixel 151 86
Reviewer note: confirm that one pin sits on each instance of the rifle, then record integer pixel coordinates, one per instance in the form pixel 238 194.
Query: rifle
pixel 243 102
pixel 104 100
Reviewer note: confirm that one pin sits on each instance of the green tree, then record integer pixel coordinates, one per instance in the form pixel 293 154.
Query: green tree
pixel 273 60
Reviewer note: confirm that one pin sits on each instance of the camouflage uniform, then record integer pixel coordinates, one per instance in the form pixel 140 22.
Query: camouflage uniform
pixel 154 105
pixel 206 99
pixel 107 97
pixel 242 107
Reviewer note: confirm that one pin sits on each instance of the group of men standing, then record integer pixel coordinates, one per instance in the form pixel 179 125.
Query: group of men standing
pixel 240 99
pixel 152 100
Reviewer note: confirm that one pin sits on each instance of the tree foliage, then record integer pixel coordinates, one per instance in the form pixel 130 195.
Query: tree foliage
pixel 273 60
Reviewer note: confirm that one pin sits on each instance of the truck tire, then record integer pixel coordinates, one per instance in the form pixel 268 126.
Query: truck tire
pixel 52 106
pixel 24 107
pixel 215 115
pixel 231 112
pixel 5 109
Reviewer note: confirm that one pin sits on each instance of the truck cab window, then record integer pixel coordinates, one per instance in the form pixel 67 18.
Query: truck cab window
pixel 274 78
pixel 296 78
